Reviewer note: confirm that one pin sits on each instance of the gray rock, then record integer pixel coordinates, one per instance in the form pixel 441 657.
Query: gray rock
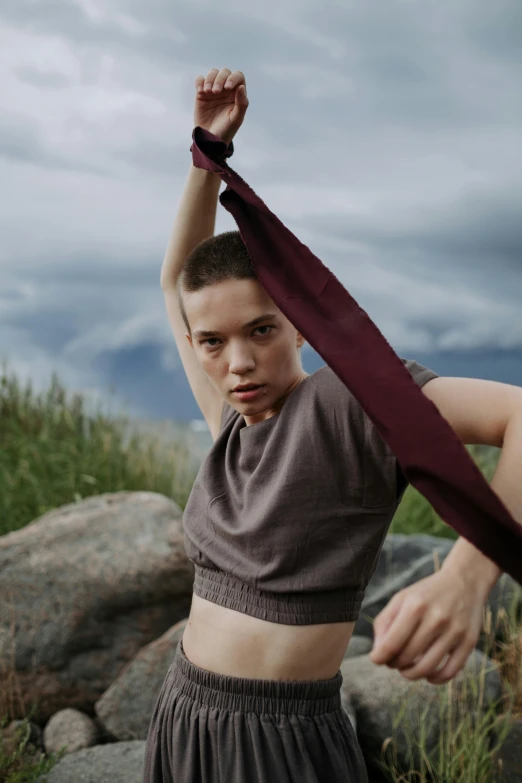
pixel 70 728
pixel 83 589
pixel 126 708
pixel 117 762
pixel 358 645
pixel 378 694
pixel 508 759
pixel 405 560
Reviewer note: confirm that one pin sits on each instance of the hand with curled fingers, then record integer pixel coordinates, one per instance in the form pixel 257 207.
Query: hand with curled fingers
pixel 429 629
pixel 221 102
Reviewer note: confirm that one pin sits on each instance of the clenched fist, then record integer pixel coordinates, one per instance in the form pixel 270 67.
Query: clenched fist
pixel 221 102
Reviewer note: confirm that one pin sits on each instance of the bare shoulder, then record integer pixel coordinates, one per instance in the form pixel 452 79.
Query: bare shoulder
pixel 209 400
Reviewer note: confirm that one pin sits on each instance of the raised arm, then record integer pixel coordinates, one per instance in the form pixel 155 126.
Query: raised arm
pixel 221 110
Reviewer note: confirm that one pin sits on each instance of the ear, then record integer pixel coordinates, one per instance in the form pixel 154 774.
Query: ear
pixel 300 340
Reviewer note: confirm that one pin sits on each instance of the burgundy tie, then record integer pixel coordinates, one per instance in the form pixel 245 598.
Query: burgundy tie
pixel 431 456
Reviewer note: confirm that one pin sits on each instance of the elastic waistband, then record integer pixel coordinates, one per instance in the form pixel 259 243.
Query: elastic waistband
pixel 305 697
pixel 302 608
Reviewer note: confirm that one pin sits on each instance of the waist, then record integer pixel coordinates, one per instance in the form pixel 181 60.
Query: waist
pixel 232 643
pixel 298 608
pixel 255 692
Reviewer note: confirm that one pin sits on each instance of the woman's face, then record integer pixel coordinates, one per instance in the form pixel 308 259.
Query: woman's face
pixel 238 352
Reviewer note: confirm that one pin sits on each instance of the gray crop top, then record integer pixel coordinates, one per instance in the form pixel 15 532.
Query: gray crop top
pixel 287 517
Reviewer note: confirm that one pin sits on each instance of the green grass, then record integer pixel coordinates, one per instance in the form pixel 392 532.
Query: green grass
pixel 472 731
pixel 21 762
pixel 53 452
pixel 416 515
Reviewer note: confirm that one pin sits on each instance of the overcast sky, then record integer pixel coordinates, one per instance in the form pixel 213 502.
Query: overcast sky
pixel 385 134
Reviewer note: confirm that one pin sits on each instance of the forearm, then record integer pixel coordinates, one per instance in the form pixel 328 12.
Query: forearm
pixel 195 221
pixel 466 559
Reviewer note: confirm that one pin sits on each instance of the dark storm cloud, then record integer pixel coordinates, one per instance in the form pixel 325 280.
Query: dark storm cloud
pixel 384 133
pixel 481 231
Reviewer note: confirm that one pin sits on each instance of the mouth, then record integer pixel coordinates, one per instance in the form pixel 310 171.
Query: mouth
pixel 248 391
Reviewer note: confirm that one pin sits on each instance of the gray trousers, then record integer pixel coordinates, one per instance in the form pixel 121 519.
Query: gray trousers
pixel 214 728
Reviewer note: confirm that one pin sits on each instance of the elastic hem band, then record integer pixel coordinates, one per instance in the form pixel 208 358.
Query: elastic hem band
pixel 332 606
pixel 304 697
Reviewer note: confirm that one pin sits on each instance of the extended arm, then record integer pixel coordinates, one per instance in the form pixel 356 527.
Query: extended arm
pixel 443 613
pixel 223 109
pixel 195 221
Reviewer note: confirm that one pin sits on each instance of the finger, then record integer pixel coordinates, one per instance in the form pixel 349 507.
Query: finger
pixel 209 80
pixel 240 105
pixel 241 97
pixel 429 631
pixel 404 625
pixel 220 79
pixel 384 620
pixel 199 83
pixel 456 661
pixel 235 79
pixel 435 657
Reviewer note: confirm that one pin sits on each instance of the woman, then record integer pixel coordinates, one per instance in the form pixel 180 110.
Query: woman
pixel 284 524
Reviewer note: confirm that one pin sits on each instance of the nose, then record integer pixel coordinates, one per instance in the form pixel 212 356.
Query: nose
pixel 241 360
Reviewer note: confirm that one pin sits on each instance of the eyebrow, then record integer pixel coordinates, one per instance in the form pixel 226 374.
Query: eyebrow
pixel 253 322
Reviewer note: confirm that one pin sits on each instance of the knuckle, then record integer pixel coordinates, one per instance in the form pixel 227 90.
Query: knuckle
pixel 439 618
pixel 423 669
pixel 449 674
pixel 417 605
pixel 461 631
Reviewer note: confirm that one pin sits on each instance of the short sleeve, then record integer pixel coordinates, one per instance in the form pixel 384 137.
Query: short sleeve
pixel 384 481
pixel 418 372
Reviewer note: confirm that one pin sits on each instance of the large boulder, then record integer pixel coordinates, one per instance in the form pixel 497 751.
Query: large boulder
pixel 126 708
pixel 82 590
pixel 116 762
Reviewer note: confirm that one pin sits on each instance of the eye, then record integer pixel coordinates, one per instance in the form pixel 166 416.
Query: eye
pixel 264 327
pixel 208 339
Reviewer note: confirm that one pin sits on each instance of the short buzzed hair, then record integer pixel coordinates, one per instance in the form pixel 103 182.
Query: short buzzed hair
pixel 218 258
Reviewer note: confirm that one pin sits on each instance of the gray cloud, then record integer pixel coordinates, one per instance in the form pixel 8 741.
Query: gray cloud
pixel 49 81
pixel 476 239
pixel 385 134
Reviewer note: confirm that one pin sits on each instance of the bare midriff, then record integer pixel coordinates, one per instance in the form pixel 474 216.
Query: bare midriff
pixel 225 641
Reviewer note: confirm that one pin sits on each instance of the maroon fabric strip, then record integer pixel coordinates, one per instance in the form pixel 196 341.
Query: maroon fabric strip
pixel 431 455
